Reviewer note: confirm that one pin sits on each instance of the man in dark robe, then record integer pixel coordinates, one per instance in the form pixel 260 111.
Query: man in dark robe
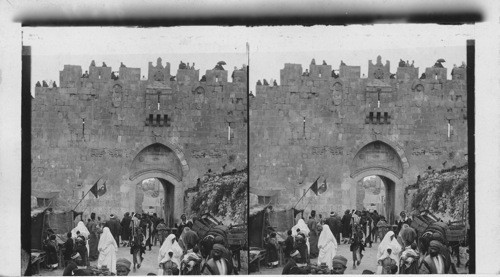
pixel 93 240
pixel 288 245
pixel 402 220
pixel 114 226
pixel 346 227
pixel 51 251
pixel 313 235
pixel 146 229
pixel 125 225
pixel 335 224
pixel 68 249
pixel 301 246
pixel 291 267
pixel 183 224
pixel 272 248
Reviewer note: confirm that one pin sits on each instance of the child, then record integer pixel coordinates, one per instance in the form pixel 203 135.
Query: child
pixel 357 246
pixel 387 263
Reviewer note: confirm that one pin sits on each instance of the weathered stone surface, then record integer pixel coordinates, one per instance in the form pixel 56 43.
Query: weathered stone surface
pixel 130 129
pixel 326 133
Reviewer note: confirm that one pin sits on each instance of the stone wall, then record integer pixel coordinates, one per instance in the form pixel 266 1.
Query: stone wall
pixel 95 127
pixel 311 126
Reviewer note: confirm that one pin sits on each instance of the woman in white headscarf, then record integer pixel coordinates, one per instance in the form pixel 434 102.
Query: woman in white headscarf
pixel 302 226
pixel 83 232
pixel 107 250
pixel 170 245
pixel 327 245
pixel 389 242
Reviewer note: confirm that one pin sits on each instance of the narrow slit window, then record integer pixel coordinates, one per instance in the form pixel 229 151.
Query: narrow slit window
pixel 83 128
pixel 304 127
pixel 158 119
pixel 166 120
pixel 378 118
pixel 158 101
pixel 371 117
pixel 216 79
pixel 386 118
pixel 150 120
pixel 320 74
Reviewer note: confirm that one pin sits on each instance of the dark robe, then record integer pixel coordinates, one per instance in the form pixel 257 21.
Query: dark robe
pixel 400 223
pixel 304 256
pixel 313 237
pixel 68 249
pixel 210 268
pixel 288 246
pixel 93 241
pixel 335 225
pixel 272 250
pixel 51 252
pixel 115 228
pixel 181 226
pixel 291 268
pixel 125 225
pixel 346 226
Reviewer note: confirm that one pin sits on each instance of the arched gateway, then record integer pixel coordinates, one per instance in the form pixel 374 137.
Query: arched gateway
pixel 167 164
pixel 378 158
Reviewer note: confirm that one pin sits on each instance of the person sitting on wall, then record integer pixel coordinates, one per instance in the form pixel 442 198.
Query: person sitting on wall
pixel 86 74
pixel 182 65
pixel 401 63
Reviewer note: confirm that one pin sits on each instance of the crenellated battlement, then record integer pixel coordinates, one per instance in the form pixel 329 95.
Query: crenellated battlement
pixel 293 74
pixel 72 76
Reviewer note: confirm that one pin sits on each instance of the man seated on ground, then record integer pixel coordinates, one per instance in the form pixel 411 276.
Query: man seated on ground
pixel 339 264
pixel 291 267
pixel 123 267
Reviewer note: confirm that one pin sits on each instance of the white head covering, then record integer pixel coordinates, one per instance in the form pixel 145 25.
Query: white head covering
pixel 387 243
pixel 83 230
pixel 106 240
pixel 326 236
pixel 302 226
pixel 168 246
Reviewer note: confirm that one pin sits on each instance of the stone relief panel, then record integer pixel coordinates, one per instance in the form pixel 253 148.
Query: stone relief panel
pixel 157 157
pixel 377 155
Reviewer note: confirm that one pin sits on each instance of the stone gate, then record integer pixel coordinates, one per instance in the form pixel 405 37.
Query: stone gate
pixel 127 129
pixel 345 128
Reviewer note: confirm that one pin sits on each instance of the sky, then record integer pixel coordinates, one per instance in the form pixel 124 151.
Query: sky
pixel 272 47
pixel 54 47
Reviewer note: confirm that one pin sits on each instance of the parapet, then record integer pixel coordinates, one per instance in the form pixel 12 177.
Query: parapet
pixel 320 72
pixel 407 73
pixel 187 76
pixel 158 73
pixel 379 70
pixel 347 71
pixel 290 74
pixel 216 76
pixel 435 73
pixel 240 76
pixel 459 73
pixel 99 73
pixel 70 76
pixel 130 74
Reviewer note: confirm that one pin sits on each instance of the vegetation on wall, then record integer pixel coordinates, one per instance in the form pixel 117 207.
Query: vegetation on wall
pixel 223 195
pixel 445 192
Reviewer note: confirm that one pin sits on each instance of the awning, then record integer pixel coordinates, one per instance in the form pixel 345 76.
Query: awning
pixel 264 192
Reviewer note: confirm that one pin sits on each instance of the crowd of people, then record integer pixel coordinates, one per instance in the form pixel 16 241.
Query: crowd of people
pixel 400 250
pixel 182 251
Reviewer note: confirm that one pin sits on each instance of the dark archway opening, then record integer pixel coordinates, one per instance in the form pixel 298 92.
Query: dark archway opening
pixel 377 192
pixel 156 195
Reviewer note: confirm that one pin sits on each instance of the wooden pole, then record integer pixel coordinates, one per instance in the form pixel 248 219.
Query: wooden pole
pixel 305 193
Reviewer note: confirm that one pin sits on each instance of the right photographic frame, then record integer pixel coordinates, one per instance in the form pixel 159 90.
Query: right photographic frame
pixel 359 141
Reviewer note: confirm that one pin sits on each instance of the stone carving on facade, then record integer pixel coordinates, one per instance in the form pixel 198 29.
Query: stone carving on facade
pixel 337 89
pixel 117 95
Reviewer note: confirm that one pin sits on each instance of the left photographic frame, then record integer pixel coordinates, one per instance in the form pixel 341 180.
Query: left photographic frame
pixel 138 140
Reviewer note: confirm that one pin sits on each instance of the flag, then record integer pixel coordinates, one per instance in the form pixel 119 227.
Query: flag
pixel 322 188
pixel 97 190
pixel 314 187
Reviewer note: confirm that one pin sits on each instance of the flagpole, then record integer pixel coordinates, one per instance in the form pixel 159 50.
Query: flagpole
pixel 81 200
pixel 305 193
pixel 85 195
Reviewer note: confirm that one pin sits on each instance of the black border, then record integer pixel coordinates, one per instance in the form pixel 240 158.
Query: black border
pixel 471 141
